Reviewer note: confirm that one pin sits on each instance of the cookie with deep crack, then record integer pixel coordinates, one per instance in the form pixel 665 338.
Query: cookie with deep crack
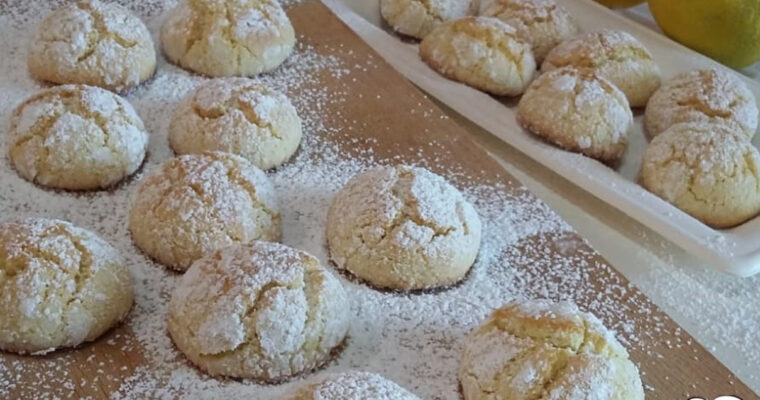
pixel 403 228
pixel 542 23
pixel 239 116
pixel 93 43
pixel 76 137
pixel 578 110
pixel 198 203
pixel 417 18
pixel 544 350
pixel 482 52
pixel 269 312
pixel 710 171
pixel 228 37
pixel 616 55
pixel 706 95
pixel 353 385
pixel 60 286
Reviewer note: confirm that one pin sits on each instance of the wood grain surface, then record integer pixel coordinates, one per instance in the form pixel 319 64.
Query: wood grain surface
pixel 380 100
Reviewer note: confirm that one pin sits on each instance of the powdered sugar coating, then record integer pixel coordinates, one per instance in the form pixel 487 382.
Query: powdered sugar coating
pixel 228 37
pixel 482 52
pixel 239 116
pixel 60 285
pixel 353 385
pixel 403 228
pixel 543 350
pixel 93 43
pixel 542 23
pixel 417 18
pixel 269 312
pixel 76 137
pixel 707 95
pixel 616 55
pixel 707 170
pixel 198 203
pixel 578 110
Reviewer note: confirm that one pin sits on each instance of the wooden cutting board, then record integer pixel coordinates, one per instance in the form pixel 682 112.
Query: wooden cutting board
pixel 380 100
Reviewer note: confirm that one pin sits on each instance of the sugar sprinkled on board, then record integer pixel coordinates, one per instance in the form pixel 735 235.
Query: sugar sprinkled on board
pixel 414 340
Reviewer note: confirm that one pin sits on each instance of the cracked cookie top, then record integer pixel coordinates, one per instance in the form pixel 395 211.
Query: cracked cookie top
pixel 616 55
pixel 542 23
pixel 269 312
pixel 544 350
pixel 197 203
pixel 708 170
pixel 482 52
pixel 228 37
pixel 93 43
pixel 403 228
pixel 578 110
pixel 706 95
pixel 417 18
pixel 76 137
pixel 239 116
pixel 353 385
pixel 60 286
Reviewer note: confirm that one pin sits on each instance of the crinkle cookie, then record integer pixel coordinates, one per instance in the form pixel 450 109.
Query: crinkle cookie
pixel 260 310
pixel 482 52
pixel 239 116
pixel 544 350
pixel 60 286
pixel 616 55
pixel 198 203
pixel 578 110
pixel 93 43
pixel 542 23
pixel 417 18
pixel 228 37
pixel 76 137
pixel 353 385
pixel 706 95
pixel 403 228
pixel 709 171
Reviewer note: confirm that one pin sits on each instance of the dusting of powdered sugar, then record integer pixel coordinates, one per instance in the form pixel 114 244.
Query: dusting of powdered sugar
pixel 706 95
pixel 527 251
pixel 354 385
pixel 387 208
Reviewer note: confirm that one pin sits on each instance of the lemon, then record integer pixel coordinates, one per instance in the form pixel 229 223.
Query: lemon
pixel 726 30
pixel 620 3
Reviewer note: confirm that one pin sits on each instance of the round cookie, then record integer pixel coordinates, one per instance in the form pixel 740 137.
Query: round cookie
pixel 76 137
pixel 269 312
pixel 93 43
pixel 60 286
pixel 197 203
pixel 239 116
pixel 403 228
pixel 540 349
pixel 709 171
pixel 542 23
pixel 578 110
pixel 617 55
pixel 353 385
pixel 482 52
pixel 707 95
pixel 228 37
pixel 417 18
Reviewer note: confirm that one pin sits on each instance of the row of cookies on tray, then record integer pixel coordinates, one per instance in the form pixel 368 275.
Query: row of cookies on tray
pixel 699 159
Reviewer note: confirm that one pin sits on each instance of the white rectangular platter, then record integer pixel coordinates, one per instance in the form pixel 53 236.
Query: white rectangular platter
pixel 735 251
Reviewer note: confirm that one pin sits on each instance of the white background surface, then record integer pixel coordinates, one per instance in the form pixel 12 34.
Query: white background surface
pixel 721 311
